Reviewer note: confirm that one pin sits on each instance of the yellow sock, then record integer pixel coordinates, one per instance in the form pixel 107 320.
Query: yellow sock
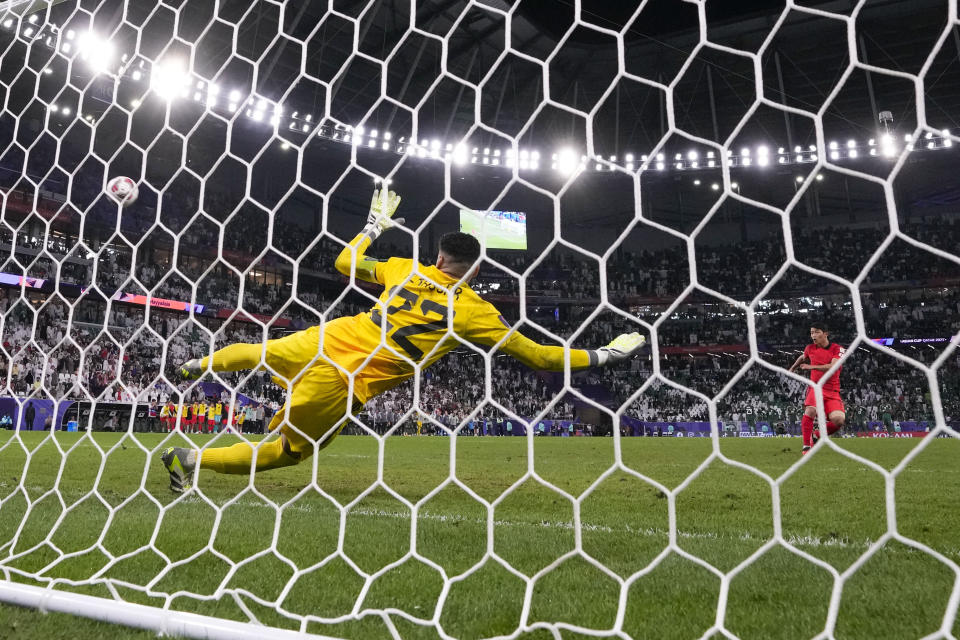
pixel 235 357
pixel 236 458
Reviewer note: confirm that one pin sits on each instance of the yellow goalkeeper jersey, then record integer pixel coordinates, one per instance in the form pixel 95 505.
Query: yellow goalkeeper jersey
pixel 413 316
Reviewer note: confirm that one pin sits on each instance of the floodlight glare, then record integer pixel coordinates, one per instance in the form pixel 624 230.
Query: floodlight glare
pixel 7 23
pixel 94 51
pixel 168 78
pixel 566 161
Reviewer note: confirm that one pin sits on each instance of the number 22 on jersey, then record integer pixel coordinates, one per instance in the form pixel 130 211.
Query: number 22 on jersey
pixel 401 333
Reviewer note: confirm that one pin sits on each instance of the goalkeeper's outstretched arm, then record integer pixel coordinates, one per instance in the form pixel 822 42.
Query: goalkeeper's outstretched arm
pixel 550 358
pixel 382 208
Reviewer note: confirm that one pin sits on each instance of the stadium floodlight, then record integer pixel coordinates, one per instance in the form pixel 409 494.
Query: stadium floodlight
pixel 168 77
pixel 460 154
pixel 54 107
pixel 135 103
pixel 32 19
pixel 696 182
pixel 7 23
pixel 834 155
pixel 799 178
pixel 136 74
pixel 566 161
pixel 629 157
pixel 715 186
pixel 833 144
pixel 819 177
pixel 28 31
pixel 65 111
pixel 852 153
pixel 745 152
pixel 285 146
pixel 735 186
pixel 535 155
pixel 95 51
pixel 888 145
pixel 851 144
pixel 692 155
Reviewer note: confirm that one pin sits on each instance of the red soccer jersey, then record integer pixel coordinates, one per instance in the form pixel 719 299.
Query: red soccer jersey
pixel 824 355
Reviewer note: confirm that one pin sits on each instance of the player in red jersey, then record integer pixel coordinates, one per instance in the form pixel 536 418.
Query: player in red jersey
pixel 818 358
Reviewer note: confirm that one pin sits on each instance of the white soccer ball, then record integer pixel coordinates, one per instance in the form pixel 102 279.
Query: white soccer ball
pixel 123 190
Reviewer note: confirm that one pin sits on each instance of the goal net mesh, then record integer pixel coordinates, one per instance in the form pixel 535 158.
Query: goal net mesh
pixel 256 132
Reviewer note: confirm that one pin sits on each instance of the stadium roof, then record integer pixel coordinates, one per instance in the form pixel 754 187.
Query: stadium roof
pixel 299 58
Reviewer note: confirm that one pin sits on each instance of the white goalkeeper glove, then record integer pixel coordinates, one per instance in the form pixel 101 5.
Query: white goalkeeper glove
pixel 382 208
pixel 623 347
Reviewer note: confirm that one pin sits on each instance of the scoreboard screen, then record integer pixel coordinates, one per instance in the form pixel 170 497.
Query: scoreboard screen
pixel 496 229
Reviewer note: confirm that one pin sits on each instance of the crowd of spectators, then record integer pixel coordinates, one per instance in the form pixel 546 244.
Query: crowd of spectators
pixel 72 348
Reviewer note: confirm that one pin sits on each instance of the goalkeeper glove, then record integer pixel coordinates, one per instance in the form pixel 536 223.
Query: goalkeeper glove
pixel 623 347
pixel 382 208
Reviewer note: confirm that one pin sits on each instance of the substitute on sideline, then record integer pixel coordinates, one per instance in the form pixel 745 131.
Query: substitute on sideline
pixel 413 315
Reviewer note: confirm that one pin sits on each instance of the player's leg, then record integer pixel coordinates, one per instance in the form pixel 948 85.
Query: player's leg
pixel 287 356
pixel 806 423
pixel 836 414
pixel 317 403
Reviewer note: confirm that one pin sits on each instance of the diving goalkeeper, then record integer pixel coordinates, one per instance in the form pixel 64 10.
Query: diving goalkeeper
pixel 420 311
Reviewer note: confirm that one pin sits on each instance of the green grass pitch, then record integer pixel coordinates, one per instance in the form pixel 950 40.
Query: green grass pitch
pixel 832 508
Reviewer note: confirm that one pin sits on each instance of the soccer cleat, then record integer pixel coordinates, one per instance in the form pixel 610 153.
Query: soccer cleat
pixel 816 435
pixel 191 369
pixel 805 450
pixel 175 460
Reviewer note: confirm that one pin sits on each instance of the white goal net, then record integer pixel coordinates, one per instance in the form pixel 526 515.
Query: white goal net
pixel 719 179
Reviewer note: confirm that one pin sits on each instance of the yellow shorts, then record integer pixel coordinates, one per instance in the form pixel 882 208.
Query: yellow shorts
pixel 318 397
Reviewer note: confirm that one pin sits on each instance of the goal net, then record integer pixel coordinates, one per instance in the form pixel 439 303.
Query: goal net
pixel 725 181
